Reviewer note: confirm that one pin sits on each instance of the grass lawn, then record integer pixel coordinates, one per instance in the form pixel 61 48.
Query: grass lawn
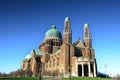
pixel 74 78
pixel 21 78
pixel 86 78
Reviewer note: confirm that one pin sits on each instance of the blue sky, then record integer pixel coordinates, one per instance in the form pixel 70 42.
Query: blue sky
pixel 23 24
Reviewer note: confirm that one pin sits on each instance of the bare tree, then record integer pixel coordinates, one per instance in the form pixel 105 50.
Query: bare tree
pixel 55 73
pixel 28 72
pixel 118 76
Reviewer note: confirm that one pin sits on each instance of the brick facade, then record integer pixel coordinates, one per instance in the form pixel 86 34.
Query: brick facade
pixel 61 57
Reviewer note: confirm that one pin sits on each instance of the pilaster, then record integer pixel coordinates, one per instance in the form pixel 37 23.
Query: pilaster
pixel 82 70
pixel 94 69
pixel 89 70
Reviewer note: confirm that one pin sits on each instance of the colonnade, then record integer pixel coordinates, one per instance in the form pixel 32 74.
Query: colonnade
pixel 88 70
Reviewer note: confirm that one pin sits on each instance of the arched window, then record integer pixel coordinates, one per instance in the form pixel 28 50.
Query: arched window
pixel 46 65
pixel 85 70
pixel 23 65
pixel 79 70
pixel 54 62
pixel 58 61
pixel 50 64
pixel 28 65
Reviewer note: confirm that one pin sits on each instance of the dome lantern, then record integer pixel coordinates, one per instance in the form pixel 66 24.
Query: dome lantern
pixel 54 26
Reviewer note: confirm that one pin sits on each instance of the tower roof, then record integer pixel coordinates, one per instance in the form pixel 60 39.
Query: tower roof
pixel 29 56
pixel 53 33
pixel 38 52
pixel 67 19
pixel 86 25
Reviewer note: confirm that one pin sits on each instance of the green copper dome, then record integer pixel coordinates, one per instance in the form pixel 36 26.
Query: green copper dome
pixel 53 33
pixel 38 52
pixel 29 56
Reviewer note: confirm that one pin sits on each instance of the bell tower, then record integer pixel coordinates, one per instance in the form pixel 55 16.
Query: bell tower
pixel 67 32
pixel 87 37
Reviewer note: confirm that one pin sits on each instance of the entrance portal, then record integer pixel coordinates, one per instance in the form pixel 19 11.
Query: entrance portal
pixel 92 69
pixel 85 70
pixel 79 70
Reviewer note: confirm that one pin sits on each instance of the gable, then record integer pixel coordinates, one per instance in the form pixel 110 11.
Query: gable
pixel 79 44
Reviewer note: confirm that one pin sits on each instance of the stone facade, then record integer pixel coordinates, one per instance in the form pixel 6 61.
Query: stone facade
pixel 57 55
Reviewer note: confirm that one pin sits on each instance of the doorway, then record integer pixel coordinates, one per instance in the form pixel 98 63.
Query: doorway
pixel 79 70
pixel 85 70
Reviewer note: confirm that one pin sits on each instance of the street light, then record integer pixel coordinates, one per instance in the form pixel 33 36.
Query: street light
pixel 69 72
pixel 69 64
pixel 39 68
pixel 106 69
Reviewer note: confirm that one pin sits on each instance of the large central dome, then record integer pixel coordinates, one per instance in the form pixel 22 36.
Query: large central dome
pixel 53 33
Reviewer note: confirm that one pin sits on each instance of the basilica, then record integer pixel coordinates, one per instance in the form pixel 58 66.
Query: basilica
pixel 58 55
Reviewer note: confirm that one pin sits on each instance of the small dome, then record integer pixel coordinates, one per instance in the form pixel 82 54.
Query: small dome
pixel 67 19
pixel 29 56
pixel 53 33
pixel 86 25
pixel 38 52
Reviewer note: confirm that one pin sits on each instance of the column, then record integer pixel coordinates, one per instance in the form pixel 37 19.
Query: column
pixel 89 70
pixel 94 70
pixel 76 72
pixel 82 70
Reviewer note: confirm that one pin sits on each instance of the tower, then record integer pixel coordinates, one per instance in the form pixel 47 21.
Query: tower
pixel 67 46
pixel 67 32
pixel 87 37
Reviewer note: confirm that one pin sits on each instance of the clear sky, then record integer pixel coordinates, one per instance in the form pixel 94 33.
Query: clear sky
pixel 23 24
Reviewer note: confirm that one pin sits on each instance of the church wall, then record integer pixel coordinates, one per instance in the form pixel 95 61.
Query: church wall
pixel 86 54
pixel 53 65
pixel 65 54
pixel 92 54
pixel 42 49
pixel 73 66
pixel 66 51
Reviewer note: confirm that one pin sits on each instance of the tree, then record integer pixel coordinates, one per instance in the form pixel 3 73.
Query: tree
pixel 118 76
pixel 28 72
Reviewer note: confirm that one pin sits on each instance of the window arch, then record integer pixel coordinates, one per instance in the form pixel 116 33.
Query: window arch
pixel 53 62
pixel 50 63
pixel 58 61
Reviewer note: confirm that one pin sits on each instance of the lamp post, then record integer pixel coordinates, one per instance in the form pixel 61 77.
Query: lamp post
pixel 69 72
pixel 69 64
pixel 106 70
pixel 39 70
